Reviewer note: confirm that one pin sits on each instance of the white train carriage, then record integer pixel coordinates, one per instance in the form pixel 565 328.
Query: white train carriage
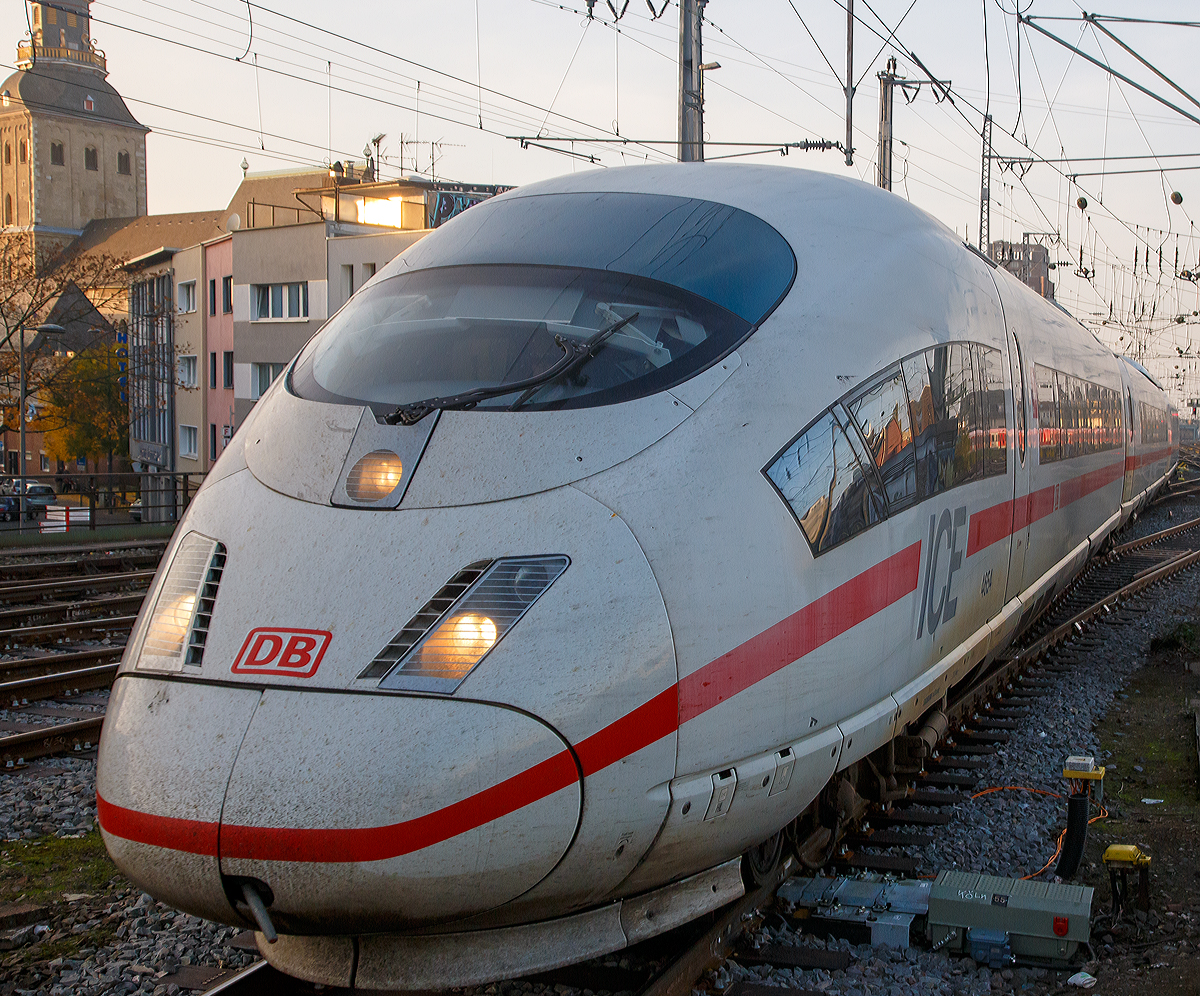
pixel 608 526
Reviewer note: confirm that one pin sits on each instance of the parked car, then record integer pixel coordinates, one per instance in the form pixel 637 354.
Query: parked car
pixel 10 508
pixel 38 498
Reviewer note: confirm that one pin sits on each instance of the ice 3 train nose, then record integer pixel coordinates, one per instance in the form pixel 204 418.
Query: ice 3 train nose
pixel 356 813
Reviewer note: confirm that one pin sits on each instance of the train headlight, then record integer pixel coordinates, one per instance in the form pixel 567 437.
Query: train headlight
pixel 458 644
pixel 461 625
pixel 375 476
pixel 176 631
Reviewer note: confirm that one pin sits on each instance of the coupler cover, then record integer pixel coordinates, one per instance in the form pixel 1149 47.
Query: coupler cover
pixel 1045 922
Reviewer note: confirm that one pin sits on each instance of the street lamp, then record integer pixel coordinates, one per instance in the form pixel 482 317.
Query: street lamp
pixel 41 331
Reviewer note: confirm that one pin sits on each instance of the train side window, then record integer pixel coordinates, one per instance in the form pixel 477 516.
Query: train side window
pixel 919 377
pixel 944 416
pixel 958 455
pixel 821 480
pixel 1066 417
pixel 881 412
pixel 1129 411
pixel 1047 414
pixel 991 409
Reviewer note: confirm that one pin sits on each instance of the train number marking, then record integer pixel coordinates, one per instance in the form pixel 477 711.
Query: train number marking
pixel 938 603
pixel 986 584
pixel 293 652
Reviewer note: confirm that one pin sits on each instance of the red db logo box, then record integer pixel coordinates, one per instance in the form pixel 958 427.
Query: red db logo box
pixel 293 652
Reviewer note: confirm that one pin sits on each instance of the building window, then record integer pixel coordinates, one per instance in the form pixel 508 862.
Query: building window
pixel 187 371
pixel 71 21
pixel 123 163
pixel 91 159
pixel 368 271
pixel 57 158
pixel 22 151
pixel 212 296
pixel 279 301
pixel 189 442
pixel 8 209
pixel 212 440
pixel 7 153
pixel 227 295
pixel 261 376
pixel 187 296
pixel 212 370
pixel 89 104
pixel 227 381
pixel 51 15
pixel 45 464
pixel 347 280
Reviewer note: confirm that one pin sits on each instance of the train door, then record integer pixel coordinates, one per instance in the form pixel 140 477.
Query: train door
pixel 1022 457
pixel 1130 448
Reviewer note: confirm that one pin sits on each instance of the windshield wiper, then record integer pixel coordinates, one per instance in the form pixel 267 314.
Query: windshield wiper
pixel 575 354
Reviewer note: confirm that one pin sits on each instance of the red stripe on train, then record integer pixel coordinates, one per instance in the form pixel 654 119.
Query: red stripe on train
pixel 799 634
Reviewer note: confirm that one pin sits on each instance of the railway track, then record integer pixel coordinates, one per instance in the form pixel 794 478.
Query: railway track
pixel 64 617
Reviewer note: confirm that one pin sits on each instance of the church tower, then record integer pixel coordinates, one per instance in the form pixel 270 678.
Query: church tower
pixel 70 151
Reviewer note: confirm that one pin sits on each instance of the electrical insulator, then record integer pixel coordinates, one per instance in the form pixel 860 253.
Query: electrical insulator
pixel 1176 197
pixel 1082 202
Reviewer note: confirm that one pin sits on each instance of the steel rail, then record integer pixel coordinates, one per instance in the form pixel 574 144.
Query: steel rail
pixel 47 686
pixel 35 634
pixel 46 550
pixel 80 658
pixel 51 568
pixel 44 740
pixel 28 592
pixel 715 944
pixel 64 611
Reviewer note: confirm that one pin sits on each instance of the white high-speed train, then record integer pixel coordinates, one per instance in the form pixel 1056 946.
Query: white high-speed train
pixel 605 533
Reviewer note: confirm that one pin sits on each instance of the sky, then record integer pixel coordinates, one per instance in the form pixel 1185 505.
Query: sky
pixel 457 79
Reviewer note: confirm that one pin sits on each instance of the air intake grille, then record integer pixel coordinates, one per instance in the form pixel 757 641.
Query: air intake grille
pixel 469 628
pixel 424 621
pixel 204 608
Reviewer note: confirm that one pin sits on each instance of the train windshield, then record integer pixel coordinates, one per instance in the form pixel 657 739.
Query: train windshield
pixel 525 282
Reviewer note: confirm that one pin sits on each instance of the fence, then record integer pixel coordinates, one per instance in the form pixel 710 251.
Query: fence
pixel 77 502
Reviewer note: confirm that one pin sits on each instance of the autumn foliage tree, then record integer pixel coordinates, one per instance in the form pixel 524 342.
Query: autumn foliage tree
pixel 85 414
pixel 38 284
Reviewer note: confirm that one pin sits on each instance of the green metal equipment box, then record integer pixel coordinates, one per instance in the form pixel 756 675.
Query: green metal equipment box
pixel 1044 922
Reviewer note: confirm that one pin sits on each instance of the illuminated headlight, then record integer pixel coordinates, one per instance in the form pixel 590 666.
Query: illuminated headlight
pixel 375 476
pixel 178 625
pixel 466 631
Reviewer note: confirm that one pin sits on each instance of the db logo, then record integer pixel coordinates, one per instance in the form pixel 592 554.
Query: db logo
pixel 294 652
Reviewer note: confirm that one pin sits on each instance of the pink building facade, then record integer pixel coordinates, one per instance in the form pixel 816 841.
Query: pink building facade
pixel 218 308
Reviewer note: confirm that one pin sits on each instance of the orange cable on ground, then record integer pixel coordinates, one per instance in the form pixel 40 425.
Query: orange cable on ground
pixel 1016 788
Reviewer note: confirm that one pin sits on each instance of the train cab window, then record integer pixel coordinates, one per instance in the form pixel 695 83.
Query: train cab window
pixel 881 413
pixel 503 293
pixel 820 478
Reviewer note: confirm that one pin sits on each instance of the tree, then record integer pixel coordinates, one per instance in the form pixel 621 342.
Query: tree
pixel 85 415
pixel 36 281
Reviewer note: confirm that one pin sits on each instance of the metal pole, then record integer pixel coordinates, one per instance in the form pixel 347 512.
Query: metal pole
pixel 849 82
pixel 985 185
pixel 21 417
pixel 887 81
pixel 691 112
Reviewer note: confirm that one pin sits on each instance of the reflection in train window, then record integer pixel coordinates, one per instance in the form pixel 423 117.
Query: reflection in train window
pixel 1075 417
pixel 881 413
pixel 1154 423
pixel 821 480
pixel 993 439
pixel 945 416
